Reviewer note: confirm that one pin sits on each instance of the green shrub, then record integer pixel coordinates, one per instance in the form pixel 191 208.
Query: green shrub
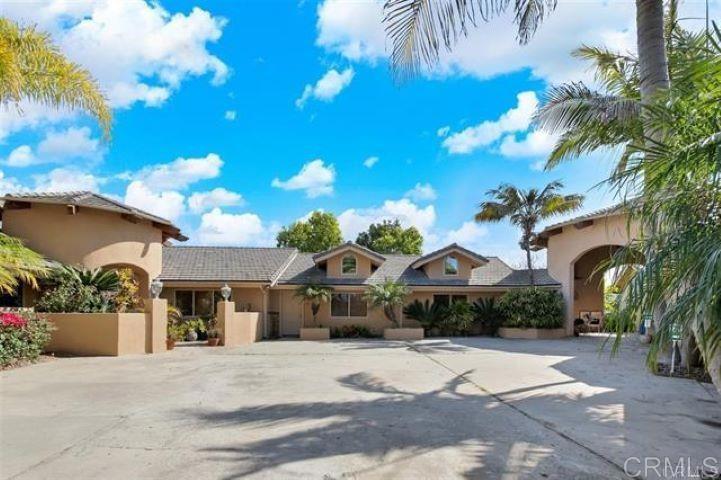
pixel 488 313
pixel 22 337
pixel 73 297
pixel 532 308
pixel 352 331
pixel 429 315
pixel 458 319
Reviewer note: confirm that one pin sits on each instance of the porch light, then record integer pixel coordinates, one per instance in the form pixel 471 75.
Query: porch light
pixel 156 286
pixel 225 292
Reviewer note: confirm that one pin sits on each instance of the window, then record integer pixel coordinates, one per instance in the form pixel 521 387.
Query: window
pixel 446 300
pixel 349 265
pixel 450 265
pixel 196 303
pixel 348 305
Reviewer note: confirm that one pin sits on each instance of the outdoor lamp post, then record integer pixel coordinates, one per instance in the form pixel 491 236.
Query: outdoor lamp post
pixel 156 286
pixel 225 292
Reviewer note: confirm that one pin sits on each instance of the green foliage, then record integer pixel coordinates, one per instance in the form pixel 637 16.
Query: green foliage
pixel 79 290
pixel 532 308
pixel 316 295
pixel 127 298
pixel 388 295
pixel 33 68
pixel 18 263
pixel 429 315
pixel 26 342
pixel 391 237
pixel 352 331
pixel 458 318
pixel 320 232
pixel 525 208
pixel 488 313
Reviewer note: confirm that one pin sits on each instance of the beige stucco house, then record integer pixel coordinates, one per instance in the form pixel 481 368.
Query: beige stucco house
pixel 88 229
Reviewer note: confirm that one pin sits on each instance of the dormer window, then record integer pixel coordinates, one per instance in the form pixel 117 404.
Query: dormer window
pixel 450 265
pixel 349 265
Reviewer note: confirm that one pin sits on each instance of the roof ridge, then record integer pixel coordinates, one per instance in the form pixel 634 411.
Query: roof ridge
pixel 236 247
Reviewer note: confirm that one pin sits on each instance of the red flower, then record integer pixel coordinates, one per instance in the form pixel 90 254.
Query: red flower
pixel 12 320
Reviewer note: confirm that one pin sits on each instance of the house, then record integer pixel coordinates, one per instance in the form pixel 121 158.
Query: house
pixel 89 229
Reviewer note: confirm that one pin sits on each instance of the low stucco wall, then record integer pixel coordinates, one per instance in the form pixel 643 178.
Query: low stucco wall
pixel 238 328
pixel 97 333
pixel 403 334
pixel 532 333
pixel 315 333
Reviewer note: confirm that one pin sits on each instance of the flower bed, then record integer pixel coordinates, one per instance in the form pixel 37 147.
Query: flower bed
pixel 23 337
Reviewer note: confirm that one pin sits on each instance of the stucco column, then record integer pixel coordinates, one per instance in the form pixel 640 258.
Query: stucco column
pixel 265 312
pixel 225 311
pixel 156 324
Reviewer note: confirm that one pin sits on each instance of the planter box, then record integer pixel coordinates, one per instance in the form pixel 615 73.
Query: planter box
pixel 403 334
pixel 532 333
pixel 315 333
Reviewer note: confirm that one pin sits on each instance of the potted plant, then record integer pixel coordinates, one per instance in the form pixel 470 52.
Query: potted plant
pixel 175 334
pixel 390 296
pixel 192 327
pixel 316 295
pixel 213 333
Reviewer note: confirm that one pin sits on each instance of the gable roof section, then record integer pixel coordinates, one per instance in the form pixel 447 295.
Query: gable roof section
pixel 231 264
pixel 493 273
pixel 374 257
pixel 540 241
pixel 95 201
pixel 453 247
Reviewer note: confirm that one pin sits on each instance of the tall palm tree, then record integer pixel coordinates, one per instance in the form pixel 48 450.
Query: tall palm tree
pixel 316 295
pixel 18 264
pixel 33 68
pixel 418 29
pixel 525 208
pixel 389 296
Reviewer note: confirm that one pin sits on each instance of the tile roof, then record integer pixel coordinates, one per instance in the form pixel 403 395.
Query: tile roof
pixel 224 263
pixel 450 248
pixel 89 200
pixel 495 273
pixel 349 246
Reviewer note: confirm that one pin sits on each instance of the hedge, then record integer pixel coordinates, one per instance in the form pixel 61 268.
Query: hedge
pixel 532 308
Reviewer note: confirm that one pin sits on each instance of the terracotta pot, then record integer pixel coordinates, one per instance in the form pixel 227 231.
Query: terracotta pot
pixel 169 343
pixel 213 342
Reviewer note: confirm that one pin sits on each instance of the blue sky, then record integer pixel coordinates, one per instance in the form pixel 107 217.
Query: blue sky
pixel 212 127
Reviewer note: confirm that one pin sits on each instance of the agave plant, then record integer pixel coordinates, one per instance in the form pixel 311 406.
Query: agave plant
pixel 101 280
pixel 430 315
pixel 388 295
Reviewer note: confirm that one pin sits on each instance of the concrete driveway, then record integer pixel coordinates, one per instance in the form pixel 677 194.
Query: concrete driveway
pixel 460 408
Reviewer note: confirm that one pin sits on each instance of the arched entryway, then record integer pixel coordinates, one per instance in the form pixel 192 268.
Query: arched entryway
pixel 139 275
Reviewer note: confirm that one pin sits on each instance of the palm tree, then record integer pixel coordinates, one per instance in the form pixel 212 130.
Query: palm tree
pixel 388 295
pixel 419 28
pixel 525 208
pixel 32 68
pixel 18 264
pixel 316 295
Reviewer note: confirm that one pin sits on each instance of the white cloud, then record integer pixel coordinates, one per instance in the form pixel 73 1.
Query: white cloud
pixel 353 221
pixel 354 29
pixel 179 173
pixel 315 178
pixel 231 115
pixel 167 204
pixel 536 144
pixel 517 119
pixel 200 202
pixel 370 161
pixel 137 50
pixel 469 235
pixel 421 193
pixel 327 88
pixel 443 131
pixel 9 184
pixel 21 156
pixel 67 179
pixel 219 228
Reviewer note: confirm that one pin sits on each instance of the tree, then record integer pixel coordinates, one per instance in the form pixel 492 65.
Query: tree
pixel 525 208
pixel 316 295
pixel 391 237
pixel 18 264
pixel 418 29
pixel 388 295
pixel 320 232
pixel 32 68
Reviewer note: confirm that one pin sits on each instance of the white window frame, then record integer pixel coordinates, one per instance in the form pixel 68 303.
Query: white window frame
pixel 348 315
pixel 458 266
pixel 355 270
